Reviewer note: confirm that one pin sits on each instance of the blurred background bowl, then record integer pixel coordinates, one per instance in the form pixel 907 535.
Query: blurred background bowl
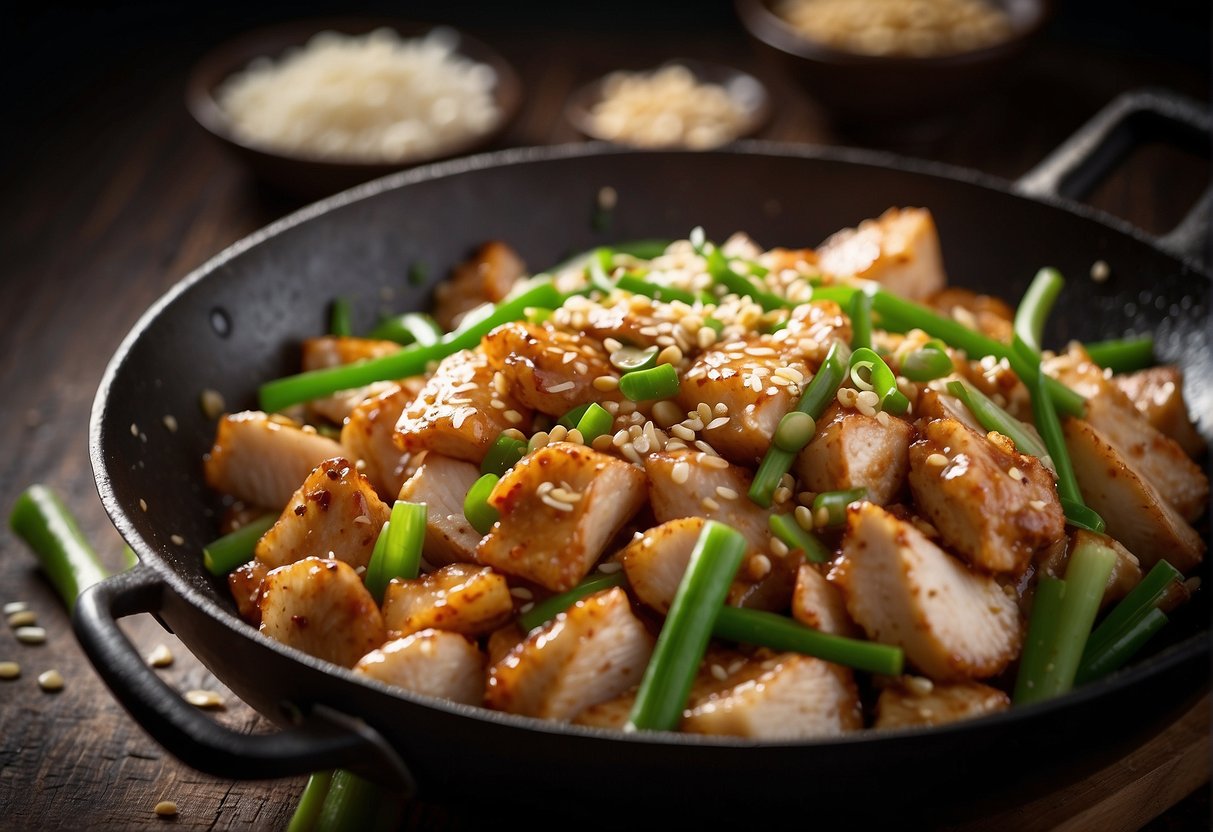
pixel 878 90
pixel 744 89
pixel 312 176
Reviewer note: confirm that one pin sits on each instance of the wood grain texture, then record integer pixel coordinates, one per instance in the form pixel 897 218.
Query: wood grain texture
pixel 120 195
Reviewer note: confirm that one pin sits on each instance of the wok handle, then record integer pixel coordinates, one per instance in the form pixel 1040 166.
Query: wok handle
pixel 1129 121
pixel 323 739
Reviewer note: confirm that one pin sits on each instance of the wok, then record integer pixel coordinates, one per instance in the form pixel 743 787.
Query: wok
pixel 236 322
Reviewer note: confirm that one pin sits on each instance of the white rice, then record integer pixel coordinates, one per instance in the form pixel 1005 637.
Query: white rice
pixel 373 97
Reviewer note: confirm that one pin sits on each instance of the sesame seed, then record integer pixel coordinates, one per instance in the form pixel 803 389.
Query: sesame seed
pixel 683 432
pixel 670 355
pixel 867 397
pixel 938 460
pixel 23 618
pixel 161 656
pixel 522 592
pixel 612 344
pixel 1100 271
pixel 709 504
pixel 759 566
pixel 142 504
pixel 204 699
pixel 919 685
pixel 551 502
pixel 1039 505
pixel 51 681
pixel 177 540
pixel 558 433
pixel 609 567
pixel 725 493
pixel 717 423
pixel 884 418
pixel 846 396
pixel 821 516
pixel 705 337
pixel 212 404
pixel 9 671
pixel 1016 475
pixel 562 387
pixel 166 808
pixel 601 443
pixel 363 520
pixel 15 606
pixel 709 461
pixel 134 429
pixel 608 197
pixel 721 409
pixel 575 437
pixel 779 548
pixel 719 673
pixel 513 417
pixel 170 422
pixel 704 411
pixel 565 495
pixel 606 384
pixel 30 635
pixel 781 494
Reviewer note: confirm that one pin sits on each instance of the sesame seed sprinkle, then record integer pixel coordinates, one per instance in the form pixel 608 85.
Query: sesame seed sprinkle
pixel 51 681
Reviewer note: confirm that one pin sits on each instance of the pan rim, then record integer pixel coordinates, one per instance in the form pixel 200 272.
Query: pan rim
pixel 1187 650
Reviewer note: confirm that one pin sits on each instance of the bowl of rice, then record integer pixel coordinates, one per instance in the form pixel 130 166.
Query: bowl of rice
pixel 318 106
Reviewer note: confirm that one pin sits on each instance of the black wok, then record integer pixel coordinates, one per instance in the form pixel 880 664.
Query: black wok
pixel 236 322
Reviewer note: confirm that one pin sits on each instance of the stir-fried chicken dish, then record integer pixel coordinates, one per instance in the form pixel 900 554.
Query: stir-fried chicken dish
pixel 777 494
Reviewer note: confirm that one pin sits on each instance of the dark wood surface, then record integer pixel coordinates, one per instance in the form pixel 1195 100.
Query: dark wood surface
pixel 116 195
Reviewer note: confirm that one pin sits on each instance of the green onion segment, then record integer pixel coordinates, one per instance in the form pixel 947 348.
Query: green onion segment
pixel 503 455
pixel 236 549
pixel 545 611
pixel 660 382
pixel 992 417
pixel 397 552
pixel 411 327
pixel 479 512
pixel 882 380
pixel 835 503
pixel 785 527
pixel 1034 308
pixel 1122 355
pixel 41 519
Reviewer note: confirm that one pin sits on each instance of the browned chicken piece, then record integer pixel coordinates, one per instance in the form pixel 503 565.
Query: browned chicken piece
pixel 902 589
pixel 786 697
pixel 457 412
pixel 899 250
pixel 851 450
pixel 335 351
pixel 1135 513
pixel 1154 456
pixel 988 315
pixel 627 321
pixel 434 663
pixel 245 585
pixel 996 379
pixel 993 506
pixel 368 436
pixel 811 330
pixel 262 459
pixel 656 561
pixel 322 608
pixel 1157 393
pixel 559 507
pixel 545 369
pixel 686 483
pixel 485 277
pixel 473 600
pixel 758 386
pixel 917 703
pixel 334 514
pixel 501 642
pixel 933 404
pixel 817 603
pixel 442 484
pixel 797 259
pixel 1126 571
pixel 593 652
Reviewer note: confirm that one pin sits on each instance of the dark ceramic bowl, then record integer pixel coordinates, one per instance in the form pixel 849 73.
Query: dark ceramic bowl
pixel 746 90
pixel 873 89
pixel 310 176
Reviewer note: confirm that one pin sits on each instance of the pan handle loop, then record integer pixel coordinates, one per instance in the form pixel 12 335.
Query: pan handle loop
pixel 323 739
pixel 1130 120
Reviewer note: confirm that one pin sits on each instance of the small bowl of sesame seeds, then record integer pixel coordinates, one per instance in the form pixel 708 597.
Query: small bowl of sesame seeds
pixel 882 61
pixel 680 104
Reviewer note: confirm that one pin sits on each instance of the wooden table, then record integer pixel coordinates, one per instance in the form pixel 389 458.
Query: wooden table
pixel 119 195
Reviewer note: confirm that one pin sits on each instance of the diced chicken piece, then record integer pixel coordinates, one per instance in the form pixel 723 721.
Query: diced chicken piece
pixel 455 414
pixel 1154 456
pixel 1135 513
pixel 803 260
pixel 591 653
pixel 899 249
pixel 559 507
pixel 988 315
pixel 485 277
pixel 335 351
pixel 546 369
pixel 262 459
pixel 501 642
pixel 994 377
pixel 757 385
pixel 993 506
pixel 334 514
pixel 787 697
pixel 322 608
pixel 1126 571
pixel 434 663
pixel 1157 393
pixel 817 603
pixel 656 561
pixel 369 436
pixel 919 703
pixel 810 332
pixel 933 404
pixel 244 582
pixel 903 589
pixel 851 450
pixel 686 483
pixel 463 599
pixel 627 321
pixel 442 484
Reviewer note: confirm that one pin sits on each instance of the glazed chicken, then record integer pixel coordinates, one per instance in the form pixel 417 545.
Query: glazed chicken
pixel 523 521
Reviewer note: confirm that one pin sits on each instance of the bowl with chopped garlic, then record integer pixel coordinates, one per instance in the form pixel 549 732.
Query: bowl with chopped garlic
pixel 885 61
pixel 314 107
pixel 680 104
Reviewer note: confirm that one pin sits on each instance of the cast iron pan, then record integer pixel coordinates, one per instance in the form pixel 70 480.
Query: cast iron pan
pixel 237 321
